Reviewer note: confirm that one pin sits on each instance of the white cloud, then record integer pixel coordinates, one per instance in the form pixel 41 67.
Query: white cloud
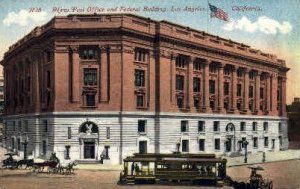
pixel 24 17
pixel 262 24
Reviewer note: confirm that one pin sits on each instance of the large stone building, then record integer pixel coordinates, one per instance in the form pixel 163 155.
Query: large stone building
pixel 90 87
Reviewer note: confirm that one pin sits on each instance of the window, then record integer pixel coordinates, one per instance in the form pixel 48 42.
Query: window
pixel 139 78
pixel 88 52
pixel 90 100
pixel 240 73
pixel 278 95
pixel 226 105
pixel 255 142
pixel 45 124
pixel 279 127
pixel 280 140
pixel 201 126
pixel 69 133
pixel 90 76
pixel 212 104
pixel 212 68
pixel 181 61
pixel 196 103
pixel 179 82
pixel 196 84
pixel 216 126
pixel 226 71
pixel 251 75
pixel 250 91
pixel 226 88
pixel 261 93
pixel 217 144
pixel 184 126
pixel 238 105
pixel 142 147
pixel 140 55
pixel 19 143
pixel 180 101
pixel 266 141
pixel 48 79
pixel 197 65
pixel 26 129
pixel 141 126
pixel 67 152
pixel 19 126
pixel 266 126
pixel 202 145
pixel 211 86
pixel 238 90
pixel 107 132
pixel 185 145
pixel 243 126
pixel 44 147
pixel 140 100
pixel 254 126
pixel 14 126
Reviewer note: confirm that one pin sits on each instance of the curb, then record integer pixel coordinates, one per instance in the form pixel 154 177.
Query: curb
pixel 264 162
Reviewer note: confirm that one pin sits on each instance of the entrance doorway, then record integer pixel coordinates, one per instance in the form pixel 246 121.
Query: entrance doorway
pixel 143 147
pixel 89 150
pixel 228 145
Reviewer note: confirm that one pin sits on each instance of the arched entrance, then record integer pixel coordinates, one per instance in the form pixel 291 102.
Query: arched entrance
pixel 88 140
pixel 230 138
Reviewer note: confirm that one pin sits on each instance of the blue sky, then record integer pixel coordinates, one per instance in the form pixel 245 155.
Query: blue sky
pixel 272 26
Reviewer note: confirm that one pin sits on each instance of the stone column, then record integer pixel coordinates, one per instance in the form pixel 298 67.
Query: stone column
pixel 233 91
pixel 283 97
pixel 257 92
pixel 75 74
pixel 274 86
pixel 173 78
pixel 221 88
pixel 190 96
pixel 103 75
pixel 246 91
pixel 205 79
pixel 268 94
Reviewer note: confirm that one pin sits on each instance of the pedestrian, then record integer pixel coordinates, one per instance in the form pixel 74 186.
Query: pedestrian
pixel 264 157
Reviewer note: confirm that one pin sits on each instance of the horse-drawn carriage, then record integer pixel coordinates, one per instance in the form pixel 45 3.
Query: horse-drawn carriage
pixel 52 165
pixel 256 181
pixel 10 162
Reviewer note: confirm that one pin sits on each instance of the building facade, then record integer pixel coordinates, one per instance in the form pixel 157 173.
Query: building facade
pixel 101 87
pixel 293 113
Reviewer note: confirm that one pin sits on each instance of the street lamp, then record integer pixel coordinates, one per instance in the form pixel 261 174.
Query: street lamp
pixel 245 144
pixel 25 142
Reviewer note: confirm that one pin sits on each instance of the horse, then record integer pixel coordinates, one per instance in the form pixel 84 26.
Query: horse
pixel 69 169
pixel 27 162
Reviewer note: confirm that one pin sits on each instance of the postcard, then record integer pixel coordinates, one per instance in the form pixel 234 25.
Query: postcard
pixel 124 93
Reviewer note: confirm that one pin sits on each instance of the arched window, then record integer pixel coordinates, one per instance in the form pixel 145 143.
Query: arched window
pixel 88 127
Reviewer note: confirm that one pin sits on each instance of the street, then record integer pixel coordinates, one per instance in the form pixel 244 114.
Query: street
pixel 284 175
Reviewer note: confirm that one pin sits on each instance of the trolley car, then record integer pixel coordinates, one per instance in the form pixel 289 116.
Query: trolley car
pixel 154 168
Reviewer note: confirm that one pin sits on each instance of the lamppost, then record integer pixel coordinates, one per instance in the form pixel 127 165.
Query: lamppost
pixel 25 142
pixel 178 146
pixel 245 144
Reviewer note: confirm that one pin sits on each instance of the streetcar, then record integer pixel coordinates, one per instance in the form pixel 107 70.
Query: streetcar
pixel 177 167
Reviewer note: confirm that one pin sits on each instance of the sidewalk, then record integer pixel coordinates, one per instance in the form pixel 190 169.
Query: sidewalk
pixel 270 157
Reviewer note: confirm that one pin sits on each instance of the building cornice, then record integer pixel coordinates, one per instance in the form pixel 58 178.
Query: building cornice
pixel 149 28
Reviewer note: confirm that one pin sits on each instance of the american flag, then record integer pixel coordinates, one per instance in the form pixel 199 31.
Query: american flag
pixel 218 13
